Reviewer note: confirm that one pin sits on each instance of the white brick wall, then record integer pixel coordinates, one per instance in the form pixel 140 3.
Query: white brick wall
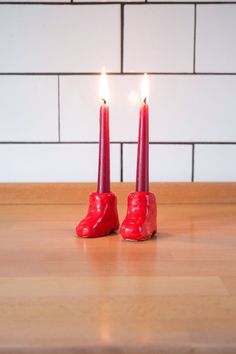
pixel 28 108
pixel 216 37
pixel 50 58
pixel 54 162
pixel 145 46
pixel 183 108
pixel 169 163
pixel 215 162
pixel 59 38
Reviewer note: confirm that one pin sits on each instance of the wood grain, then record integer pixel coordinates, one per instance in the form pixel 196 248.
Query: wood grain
pixel 64 295
pixel 77 193
pixel 110 286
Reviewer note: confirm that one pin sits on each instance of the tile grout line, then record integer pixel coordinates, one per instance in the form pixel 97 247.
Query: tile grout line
pixel 121 38
pixel 193 162
pixel 119 142
pixel 59 108
pixel 144 2
pixel 194 38
pixel 117 73
pixel 121 162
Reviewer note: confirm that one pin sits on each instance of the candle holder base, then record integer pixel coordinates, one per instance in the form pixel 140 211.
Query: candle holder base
pixel 140 223
pixel 102 217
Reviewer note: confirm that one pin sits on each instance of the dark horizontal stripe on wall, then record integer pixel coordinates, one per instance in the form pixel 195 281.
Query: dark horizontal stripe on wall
pixel 120 142
pixel 112 73
pixel 118 3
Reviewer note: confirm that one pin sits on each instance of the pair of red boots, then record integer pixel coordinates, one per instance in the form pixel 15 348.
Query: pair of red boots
pixel 102 217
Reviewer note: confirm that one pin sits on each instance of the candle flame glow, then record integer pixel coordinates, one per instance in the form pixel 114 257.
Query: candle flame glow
pixel 133 96
pixel 145 88
pixel 104 89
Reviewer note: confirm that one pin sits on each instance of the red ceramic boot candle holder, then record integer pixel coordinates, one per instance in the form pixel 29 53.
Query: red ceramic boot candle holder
pixel 140 222
pixel 102 217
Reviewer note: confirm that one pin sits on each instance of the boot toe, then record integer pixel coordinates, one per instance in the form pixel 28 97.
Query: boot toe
pixel 131 232
pixel 135 232
pixel 83 229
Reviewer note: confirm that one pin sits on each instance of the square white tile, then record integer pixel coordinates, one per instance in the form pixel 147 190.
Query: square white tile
pixel 167 163
pixel 215 163
pixel 28 108
pixel 59 38
pixel 158 38
pixel 54 163
pixel 215 39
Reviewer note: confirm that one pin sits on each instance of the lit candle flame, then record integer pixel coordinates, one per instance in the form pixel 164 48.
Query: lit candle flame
pixel 145 88
pixel 104 89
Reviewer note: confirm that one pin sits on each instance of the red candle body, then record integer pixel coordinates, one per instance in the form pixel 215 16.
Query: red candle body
pixel 104 152
pixel 142 173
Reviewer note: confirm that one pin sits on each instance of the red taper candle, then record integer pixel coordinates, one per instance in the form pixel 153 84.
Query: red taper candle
pixel 104 151
pixel 103 185
pixel 142 172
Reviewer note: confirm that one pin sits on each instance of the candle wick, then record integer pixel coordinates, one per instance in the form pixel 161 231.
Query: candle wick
pixel 104 101
pixel 145 100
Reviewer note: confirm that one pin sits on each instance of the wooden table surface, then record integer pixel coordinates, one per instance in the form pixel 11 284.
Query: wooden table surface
pixel 173 294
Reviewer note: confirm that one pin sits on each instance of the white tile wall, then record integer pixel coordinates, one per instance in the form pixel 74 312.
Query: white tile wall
pixel 28 108
pixel 80 108
pixel 170 163
pixel 59 38
pixel 182 108
pixel 73 42
pixel 216 38
pixel 193 108
pixel 152 44
pixel 215 163
pixel 54 163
